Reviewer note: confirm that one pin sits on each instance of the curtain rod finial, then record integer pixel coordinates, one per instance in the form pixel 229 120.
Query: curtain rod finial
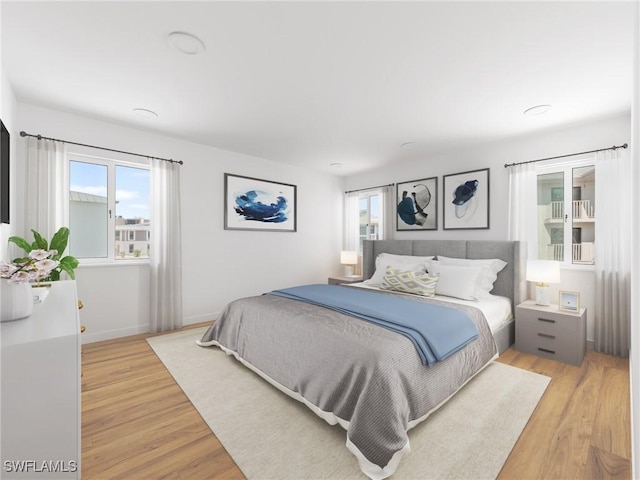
pixel 23 133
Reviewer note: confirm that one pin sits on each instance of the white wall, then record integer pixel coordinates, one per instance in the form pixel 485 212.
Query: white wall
pixel 494 155
pixel 218 265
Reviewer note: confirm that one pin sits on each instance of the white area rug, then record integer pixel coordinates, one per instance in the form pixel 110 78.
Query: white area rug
pixel 271 436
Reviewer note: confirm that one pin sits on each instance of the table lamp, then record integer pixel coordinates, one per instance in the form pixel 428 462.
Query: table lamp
pixel 543 272
pixel 348 259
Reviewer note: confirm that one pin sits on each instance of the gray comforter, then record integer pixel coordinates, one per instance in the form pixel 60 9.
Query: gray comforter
pixel 370 378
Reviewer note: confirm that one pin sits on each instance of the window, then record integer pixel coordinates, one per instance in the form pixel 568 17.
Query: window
pixel 566 222
pixel 370 228
pixel 109 209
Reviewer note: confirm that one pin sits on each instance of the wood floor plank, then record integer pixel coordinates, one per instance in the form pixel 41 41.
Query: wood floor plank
pixel 569 447
pixel 602 465
pixel 137 422
pixel 531 452
pixel 613 414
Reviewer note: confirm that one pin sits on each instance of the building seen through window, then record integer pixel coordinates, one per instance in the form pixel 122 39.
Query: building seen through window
pixel 567 214
pixel 109 210
pixel 369 217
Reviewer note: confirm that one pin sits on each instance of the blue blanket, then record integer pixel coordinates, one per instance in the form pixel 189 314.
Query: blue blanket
pixel 436 331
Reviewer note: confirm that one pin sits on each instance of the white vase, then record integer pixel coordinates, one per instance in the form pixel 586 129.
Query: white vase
pixel 16 301
pixel 40 293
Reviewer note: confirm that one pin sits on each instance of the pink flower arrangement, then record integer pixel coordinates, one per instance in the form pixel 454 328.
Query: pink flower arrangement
pixel 36 267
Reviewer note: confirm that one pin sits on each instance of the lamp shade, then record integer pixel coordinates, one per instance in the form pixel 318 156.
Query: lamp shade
pixel 543 271
pixel 348 257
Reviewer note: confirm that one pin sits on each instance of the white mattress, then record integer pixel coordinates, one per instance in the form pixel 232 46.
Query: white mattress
pixel 497 310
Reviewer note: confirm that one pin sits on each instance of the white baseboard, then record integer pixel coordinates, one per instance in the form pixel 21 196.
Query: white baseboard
pixel 209 317
pixel 88 337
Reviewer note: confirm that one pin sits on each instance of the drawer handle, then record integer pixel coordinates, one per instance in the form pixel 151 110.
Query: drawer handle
pixel 548 351
pixel 546 320
pixel 546 335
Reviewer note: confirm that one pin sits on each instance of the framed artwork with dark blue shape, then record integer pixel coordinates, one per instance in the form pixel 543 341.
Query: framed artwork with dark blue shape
pixel 417 205
pixel 466 200
pixel 255 204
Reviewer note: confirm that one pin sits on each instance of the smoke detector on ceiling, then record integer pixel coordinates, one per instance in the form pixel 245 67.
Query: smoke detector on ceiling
pixel 537 110
pixel 145 113
pixel 186 43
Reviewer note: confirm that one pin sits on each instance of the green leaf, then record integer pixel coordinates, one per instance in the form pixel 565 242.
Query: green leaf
pixel 54 276
pixel 22 243
pixel 60 240
pixel 69 261
pixel 40 242
pixel 68 264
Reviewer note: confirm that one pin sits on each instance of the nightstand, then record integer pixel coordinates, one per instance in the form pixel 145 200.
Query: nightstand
pixel 551 333
pixel 344 280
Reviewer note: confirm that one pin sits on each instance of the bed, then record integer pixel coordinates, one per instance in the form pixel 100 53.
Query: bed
pixel 370 380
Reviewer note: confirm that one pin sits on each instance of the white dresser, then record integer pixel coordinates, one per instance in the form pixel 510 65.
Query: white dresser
pixel 40 390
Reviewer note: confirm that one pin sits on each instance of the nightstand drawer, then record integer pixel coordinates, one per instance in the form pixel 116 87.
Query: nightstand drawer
pixel 548 320
pixel 558 345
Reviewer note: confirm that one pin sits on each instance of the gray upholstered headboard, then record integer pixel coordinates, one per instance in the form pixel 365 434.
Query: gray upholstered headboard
pixel 511 281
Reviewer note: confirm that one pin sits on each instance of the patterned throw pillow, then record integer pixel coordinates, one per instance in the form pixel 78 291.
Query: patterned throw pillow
pixel 418 283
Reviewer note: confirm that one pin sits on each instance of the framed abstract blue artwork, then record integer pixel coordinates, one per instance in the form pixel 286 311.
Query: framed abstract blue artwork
pixel 417 205
pixel 255 204
pixel 466 200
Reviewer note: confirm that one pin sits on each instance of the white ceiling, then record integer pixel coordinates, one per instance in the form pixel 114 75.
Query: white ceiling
pixel 312 83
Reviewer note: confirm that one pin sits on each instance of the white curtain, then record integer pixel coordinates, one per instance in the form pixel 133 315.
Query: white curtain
pixel 351 238
pixel 388 211
pixel 523 213
pixel 45 207
pixel 351 231
pixel 614 198
pixel 166 247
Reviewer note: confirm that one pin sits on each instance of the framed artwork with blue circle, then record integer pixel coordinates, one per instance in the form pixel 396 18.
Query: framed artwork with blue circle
pixel 465 199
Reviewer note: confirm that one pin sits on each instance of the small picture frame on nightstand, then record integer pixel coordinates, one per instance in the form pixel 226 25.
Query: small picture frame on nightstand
pixel 569 301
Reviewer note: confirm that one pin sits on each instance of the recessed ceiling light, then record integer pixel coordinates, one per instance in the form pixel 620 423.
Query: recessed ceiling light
pixel 408 145
pixel 144 113
pixel 186 43
pixel 537 110
pixel 336 165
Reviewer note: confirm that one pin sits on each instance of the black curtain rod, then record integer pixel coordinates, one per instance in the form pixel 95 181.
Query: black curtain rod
pixel 615 147
pixel 40 137
pixel 370 188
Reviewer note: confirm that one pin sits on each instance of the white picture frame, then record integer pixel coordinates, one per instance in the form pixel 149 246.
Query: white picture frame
pixel 569 301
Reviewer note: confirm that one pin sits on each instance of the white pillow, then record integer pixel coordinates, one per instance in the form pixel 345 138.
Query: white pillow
pixel 488 275
pixel 457 281
pixel 417 283
pixel 402 262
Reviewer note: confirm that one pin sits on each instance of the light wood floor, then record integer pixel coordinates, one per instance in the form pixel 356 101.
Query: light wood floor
pixel 138 424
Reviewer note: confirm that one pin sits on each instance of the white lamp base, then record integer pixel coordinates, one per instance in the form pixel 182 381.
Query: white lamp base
pixel 348 271
pixel 542 295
